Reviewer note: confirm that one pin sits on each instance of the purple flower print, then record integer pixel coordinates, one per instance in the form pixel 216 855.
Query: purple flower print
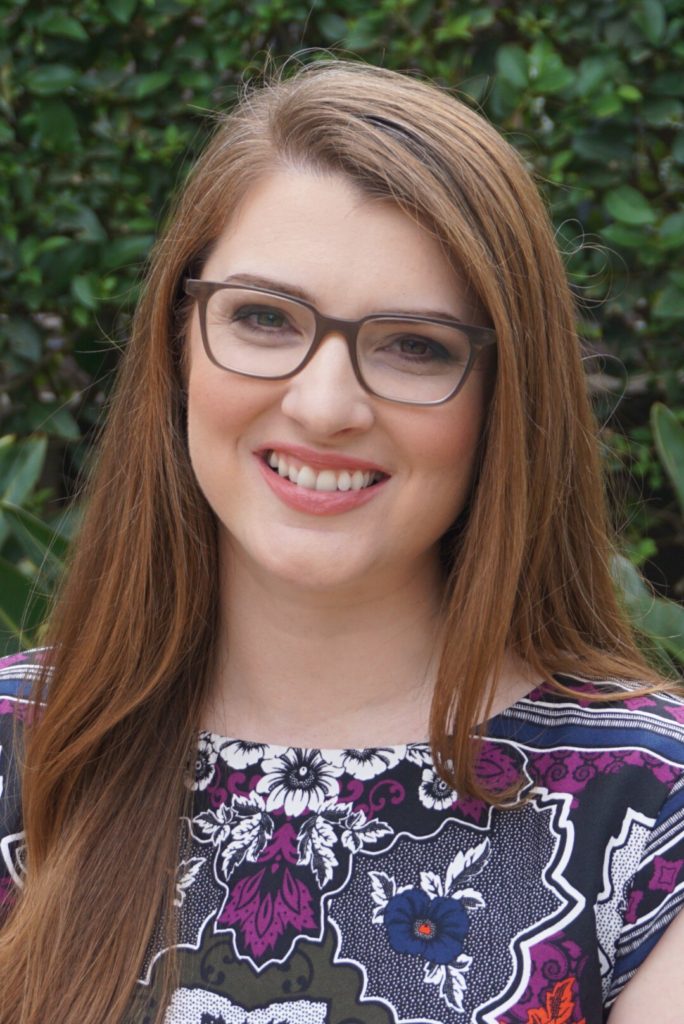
pixel 433 928
pixel 298 780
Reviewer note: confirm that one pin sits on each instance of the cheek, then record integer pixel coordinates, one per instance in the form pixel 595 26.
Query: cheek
pixel 220 404
pixel 447 442
pixel 217 407
pixel 220 410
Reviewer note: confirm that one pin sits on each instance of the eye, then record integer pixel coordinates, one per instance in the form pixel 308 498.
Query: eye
pixel 420 348
pixel 261 316
pixel 417 346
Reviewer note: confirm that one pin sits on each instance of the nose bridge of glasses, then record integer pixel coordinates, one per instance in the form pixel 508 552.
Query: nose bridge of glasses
pixel 328 327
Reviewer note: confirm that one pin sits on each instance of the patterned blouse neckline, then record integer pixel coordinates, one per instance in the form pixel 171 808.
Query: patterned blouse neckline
pixel 266 749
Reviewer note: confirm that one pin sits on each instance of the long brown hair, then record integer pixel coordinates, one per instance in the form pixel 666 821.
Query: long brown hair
pixel 132 632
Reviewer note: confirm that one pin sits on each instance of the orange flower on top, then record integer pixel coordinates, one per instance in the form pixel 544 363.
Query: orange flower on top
pixel 559 1005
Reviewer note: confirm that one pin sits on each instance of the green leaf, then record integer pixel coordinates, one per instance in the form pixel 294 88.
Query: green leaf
pixel 662 111
pixel 630 93
pixel 9 265
pixel 671 233
pixel 50 79
pixel 546 69
pixel 332 27
pixel 21 463
pixel 669 83
pixel 22 607
pixel 22 336
pixel 629 206
pixel 678 149
pixel 150 83
pixel 459 27
pixel 84 222
pixel 420 15
pixel 122 10
pixel 511 64
pixel 123 251
pixel 361 35
pixel 53 418
pixel 659 619
pixel 625 236
pixel 607 105
pixel 664 622
pixel 53 243
pixel 595 146
pixel 649 15
pixel 592 71
pixel 669 439
pixel 669 303
pixel 57 126
pixel 82 290
pixel 42 545
pixel 56 23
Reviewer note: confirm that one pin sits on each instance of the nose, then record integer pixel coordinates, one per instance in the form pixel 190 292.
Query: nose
pixel 325 397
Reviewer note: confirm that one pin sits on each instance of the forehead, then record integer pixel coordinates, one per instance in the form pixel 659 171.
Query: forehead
pixel 349 253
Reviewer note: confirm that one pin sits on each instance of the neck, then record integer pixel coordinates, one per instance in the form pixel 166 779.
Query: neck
pixel 314 668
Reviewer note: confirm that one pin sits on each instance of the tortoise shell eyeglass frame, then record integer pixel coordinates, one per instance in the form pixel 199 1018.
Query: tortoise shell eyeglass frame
pixel 479 338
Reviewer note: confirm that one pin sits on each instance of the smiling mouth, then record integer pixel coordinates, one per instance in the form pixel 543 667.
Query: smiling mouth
pixel 321 480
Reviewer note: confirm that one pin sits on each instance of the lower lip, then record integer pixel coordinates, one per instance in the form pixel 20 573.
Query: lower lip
pixel 317 503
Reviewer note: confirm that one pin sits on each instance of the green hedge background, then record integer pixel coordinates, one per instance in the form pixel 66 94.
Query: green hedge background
pixel 103 106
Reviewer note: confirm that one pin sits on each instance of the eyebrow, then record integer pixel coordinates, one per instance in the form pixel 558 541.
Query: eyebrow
pixel 299 293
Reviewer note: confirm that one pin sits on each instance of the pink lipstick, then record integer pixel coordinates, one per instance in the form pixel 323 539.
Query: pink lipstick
pixel 320 502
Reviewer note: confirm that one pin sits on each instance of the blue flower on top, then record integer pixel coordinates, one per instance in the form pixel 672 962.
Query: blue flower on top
pixel 433 928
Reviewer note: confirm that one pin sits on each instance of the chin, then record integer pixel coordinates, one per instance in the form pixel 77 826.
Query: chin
pixel 318 574
pixel 299 562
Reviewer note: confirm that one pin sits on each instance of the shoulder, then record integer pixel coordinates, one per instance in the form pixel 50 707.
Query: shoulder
pixel 601 713
pixel 18 673
pixel 612 753
pixel 615 750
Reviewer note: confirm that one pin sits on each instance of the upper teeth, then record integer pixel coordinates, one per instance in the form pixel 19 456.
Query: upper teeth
pixel 323 480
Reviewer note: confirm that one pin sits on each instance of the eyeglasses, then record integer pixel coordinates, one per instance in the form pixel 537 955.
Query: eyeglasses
pixel 410 359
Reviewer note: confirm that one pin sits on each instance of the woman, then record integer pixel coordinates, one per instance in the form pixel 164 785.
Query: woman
pixel 347 498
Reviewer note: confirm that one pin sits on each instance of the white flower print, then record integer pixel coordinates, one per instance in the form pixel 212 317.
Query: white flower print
pixel 320 832
pixel 298 780
pixel 368 762
pixel 205 760
pixel 249 836
pixel 239 754
pixel 239 832
pixel 214 826
pixel 418 753
pixel 358 831
pixel 187 873
pixel 434 793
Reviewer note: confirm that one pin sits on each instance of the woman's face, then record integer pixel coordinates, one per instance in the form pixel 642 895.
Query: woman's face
pixel 318 236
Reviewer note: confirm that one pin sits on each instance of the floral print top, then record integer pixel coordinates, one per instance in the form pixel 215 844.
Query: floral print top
pixel 346 886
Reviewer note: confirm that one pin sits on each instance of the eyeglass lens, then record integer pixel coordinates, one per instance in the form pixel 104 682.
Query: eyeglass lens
pixel 269 336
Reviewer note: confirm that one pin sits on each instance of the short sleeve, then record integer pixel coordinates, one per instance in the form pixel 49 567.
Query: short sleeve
pixel 656 894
